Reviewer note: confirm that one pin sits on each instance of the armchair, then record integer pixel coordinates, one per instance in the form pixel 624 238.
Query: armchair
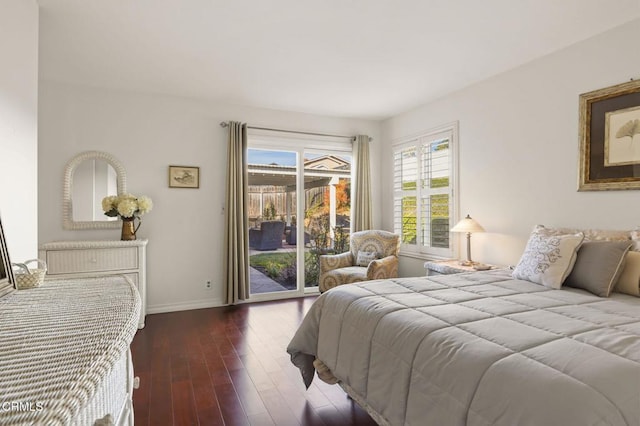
pixel 268 237
pixel 292 236
pixel 343 268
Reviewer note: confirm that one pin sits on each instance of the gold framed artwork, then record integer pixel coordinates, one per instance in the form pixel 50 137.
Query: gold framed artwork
pixel 610 138
pixel 184 177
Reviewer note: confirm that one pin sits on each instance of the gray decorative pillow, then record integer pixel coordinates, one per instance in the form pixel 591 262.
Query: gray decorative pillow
pixel 598 266
pixel 548 259
pixel 365 257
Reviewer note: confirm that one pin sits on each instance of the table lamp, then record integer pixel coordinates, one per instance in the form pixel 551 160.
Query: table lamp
pixel 469 226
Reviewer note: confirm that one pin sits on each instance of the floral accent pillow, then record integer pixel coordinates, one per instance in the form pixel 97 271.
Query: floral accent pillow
pixel 548 259
pixel 365 257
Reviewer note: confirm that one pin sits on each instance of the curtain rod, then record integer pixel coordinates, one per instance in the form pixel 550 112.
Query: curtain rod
pixel 352 138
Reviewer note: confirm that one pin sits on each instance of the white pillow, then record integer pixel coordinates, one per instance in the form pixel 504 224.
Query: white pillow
pixel 365 257
pixel 548 259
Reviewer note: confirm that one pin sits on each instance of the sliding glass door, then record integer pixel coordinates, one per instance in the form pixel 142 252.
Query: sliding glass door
pixel 273 257
pixel 299 208
pixel 327 208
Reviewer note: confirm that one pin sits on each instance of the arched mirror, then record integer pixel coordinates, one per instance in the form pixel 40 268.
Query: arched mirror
pixel 88 178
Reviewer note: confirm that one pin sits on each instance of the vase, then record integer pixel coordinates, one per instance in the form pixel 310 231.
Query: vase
pixel 129 229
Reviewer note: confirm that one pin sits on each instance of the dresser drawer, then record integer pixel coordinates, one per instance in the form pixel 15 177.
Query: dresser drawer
pixel 77 259
pixel 91 260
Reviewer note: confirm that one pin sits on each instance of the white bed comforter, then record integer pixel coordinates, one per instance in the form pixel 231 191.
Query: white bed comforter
pixel 478 349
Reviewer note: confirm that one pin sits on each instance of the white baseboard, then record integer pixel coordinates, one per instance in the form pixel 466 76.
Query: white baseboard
pixel 184 306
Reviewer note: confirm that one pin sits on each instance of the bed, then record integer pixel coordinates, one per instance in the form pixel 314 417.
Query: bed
pixel 479 348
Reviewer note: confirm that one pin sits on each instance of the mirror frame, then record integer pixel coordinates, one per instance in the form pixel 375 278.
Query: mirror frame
pixel 7 283
pixel 67 202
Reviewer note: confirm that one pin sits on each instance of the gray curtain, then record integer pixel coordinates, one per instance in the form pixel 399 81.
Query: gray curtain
pixel 236 240
pixel 362 189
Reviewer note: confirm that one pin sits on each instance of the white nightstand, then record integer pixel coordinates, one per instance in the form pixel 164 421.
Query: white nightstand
pixel 447 267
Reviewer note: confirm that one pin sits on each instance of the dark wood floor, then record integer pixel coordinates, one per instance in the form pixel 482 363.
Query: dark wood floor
pixel 228 366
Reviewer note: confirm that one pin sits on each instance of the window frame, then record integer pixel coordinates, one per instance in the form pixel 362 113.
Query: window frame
pixel 419 140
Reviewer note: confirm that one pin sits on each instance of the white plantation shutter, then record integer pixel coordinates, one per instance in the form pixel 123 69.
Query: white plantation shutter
pixel 423 205
pixel 405 185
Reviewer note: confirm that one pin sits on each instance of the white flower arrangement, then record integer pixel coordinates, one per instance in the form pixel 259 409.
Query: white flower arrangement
pixel 126 206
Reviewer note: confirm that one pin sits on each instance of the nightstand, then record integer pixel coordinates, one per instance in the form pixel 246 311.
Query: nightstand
pixel 447 267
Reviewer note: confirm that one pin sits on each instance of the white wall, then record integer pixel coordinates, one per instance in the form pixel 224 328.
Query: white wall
pixel 147 133
pixel 519 147
pixel 19 126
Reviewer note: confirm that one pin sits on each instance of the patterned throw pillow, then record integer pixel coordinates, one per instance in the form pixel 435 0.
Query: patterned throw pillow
pixel 548 259
pixel 365 257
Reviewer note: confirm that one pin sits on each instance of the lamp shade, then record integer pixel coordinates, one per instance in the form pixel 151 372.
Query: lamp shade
pixel 467 225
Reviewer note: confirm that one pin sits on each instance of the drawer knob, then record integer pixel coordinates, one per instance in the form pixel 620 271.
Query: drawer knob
pixel 136 382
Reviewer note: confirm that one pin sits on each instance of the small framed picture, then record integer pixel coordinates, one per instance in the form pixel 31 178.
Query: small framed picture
pixel 184 177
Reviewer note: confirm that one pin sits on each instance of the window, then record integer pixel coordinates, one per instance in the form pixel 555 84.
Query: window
pixel 423 182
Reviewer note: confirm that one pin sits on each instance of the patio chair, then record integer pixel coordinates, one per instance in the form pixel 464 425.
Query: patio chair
pixel 373 255
pixel 268 237
pixel 292 236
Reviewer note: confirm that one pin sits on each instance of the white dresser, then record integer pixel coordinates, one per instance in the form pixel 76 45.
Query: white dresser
pixel 73 259
pixel 66 357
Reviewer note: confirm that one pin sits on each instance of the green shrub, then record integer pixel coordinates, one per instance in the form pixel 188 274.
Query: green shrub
pixel 269 211
pixel 311 269
pixel 341 239
pixel 272 269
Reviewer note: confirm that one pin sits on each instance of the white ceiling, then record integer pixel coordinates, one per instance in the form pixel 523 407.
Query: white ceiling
pixel 350 58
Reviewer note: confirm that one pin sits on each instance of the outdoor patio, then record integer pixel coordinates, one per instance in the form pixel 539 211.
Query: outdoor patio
pixel 273 202
pixel 259 281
